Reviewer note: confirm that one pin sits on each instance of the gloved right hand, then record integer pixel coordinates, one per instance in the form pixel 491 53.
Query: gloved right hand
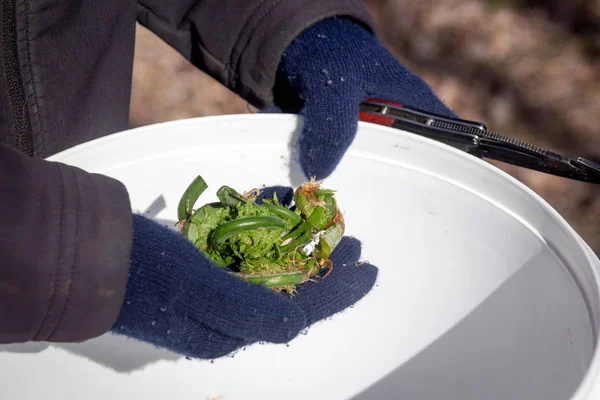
pixel 324 75
pixel 177 299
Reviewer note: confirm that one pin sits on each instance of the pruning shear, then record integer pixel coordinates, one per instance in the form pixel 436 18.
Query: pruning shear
pixel 475 139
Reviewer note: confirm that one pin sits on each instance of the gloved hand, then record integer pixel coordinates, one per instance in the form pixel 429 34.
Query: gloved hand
pixel 178 300
pixel 326 73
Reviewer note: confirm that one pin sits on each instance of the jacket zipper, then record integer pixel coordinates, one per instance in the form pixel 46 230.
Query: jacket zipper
pixel 16 91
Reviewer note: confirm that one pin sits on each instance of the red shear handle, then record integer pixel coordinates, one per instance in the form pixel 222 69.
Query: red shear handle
pixel 378 119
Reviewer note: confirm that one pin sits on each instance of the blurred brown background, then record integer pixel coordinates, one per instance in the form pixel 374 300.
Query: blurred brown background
pixel 527 68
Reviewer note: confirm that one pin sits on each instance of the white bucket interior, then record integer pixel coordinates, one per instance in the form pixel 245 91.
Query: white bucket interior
pixel 484 291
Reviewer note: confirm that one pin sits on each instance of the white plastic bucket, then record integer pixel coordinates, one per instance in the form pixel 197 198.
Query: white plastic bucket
pixel 484 291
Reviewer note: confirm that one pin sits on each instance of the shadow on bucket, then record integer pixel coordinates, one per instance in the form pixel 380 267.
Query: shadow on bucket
pixel 530 339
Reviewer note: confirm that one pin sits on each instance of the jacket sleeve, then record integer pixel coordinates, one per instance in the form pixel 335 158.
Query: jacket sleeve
pixel 65 234
pixel 240 42
pixel 65 240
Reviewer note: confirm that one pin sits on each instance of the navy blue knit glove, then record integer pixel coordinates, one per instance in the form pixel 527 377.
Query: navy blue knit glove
pixel 326 73
pixel 178 300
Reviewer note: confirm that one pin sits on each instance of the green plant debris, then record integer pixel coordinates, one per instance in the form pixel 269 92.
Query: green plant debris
pixel 269 244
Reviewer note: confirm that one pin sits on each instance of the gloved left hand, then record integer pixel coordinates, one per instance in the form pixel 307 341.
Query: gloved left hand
pixel 178 300
pixel 326 73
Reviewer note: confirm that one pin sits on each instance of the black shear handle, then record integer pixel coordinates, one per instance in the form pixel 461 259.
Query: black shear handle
pixel 475 139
